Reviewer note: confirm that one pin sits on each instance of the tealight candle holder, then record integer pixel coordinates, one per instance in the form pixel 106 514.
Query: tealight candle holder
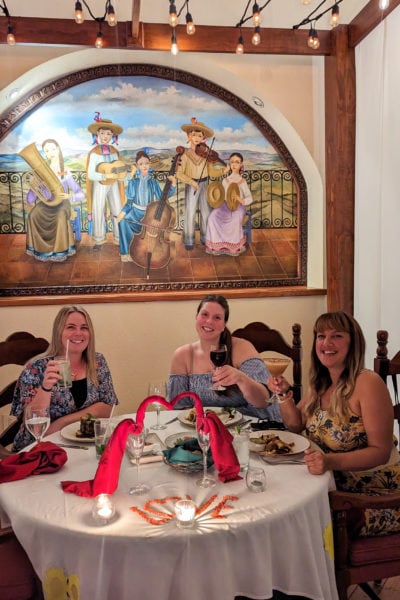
pixel 103 509
pixel 185 511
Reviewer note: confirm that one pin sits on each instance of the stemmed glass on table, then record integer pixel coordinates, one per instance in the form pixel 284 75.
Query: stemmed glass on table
pixel 135 445
pixel 218 356
pixel 204 442
pixel 37 421
pixel 158 389
pixel 276 366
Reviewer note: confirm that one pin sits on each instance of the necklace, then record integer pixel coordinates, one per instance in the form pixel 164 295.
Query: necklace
pixel 74 373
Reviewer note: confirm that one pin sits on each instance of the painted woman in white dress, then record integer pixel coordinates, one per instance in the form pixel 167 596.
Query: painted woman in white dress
pixel 225 233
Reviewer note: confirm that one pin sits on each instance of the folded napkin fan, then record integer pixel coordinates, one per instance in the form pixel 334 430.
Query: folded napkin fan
pixel 45 457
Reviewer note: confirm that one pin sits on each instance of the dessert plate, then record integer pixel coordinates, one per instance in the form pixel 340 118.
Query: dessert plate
pixel 69 433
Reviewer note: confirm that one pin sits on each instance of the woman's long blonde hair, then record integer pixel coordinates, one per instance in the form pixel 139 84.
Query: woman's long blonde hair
pixel 55 348
pixel 320 379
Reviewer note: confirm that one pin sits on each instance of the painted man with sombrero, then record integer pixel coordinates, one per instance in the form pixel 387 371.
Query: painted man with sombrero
pixel 105 174
pixel 194 170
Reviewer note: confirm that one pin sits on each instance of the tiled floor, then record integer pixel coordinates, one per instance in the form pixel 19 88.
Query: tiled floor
pixel 272 254
pixel 389 590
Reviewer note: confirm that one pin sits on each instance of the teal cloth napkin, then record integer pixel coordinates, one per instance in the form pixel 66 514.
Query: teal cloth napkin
pixel 183 452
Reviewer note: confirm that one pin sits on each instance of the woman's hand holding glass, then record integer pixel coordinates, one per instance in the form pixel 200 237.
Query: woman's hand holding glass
pixel 218 357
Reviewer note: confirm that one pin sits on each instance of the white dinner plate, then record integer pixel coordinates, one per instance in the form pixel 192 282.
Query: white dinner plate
pixel 300 442
pixel 225 417
pixel 69 433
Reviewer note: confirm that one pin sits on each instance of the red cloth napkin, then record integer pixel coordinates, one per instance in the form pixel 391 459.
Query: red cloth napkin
pixel 224 456
pixel 106 479
pixel 45 457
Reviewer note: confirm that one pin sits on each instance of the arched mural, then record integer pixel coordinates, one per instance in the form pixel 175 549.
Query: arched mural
pixel 145 208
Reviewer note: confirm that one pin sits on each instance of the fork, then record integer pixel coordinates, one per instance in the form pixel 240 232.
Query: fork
pixel 284 461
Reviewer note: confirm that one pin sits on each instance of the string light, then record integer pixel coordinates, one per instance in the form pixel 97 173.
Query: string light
pixel 99 40
pixel 79 18
pixel 173 17
pixel 174 43
pixel 111 16
pixel 256 37
pixel 256 15
pixel 384 4
pixel 335 16
pixel 10 28
pixel 305 1
pixel 240 46
pixel 190 28
pixel 313 41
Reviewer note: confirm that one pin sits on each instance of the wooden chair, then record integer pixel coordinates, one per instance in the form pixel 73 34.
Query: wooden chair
pixel 386 367
pixel 266 339
pixel 17 349
pixel 359 560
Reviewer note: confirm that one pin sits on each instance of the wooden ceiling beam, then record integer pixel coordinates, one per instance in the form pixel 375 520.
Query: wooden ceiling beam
pixel 153 36
pixel 367 19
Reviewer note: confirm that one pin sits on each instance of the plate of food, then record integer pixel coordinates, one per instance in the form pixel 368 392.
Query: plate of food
pixel 277 443
pixel 229 416
pixel 173 439
pixel 76 433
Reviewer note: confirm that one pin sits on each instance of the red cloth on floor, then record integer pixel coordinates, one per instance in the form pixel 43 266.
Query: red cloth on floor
pixel 45 457
pixel 106 479
pixel 224 456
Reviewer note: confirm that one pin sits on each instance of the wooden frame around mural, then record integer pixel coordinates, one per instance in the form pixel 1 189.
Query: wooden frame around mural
pixel 161 287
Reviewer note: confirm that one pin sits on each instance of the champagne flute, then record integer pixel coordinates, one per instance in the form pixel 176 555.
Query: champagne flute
pixel 204 443
pixel 218 356
pixel 135 445
pixel 37 421
pixel 158 388
pixel 276 367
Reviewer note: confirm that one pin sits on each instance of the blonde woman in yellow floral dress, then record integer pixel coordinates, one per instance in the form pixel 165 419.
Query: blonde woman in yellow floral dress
pixel 348 413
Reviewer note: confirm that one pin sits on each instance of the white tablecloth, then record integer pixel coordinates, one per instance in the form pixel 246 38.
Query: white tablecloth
pixel 280 539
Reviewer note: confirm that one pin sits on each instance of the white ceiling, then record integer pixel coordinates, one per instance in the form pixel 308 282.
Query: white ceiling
pixel 278 13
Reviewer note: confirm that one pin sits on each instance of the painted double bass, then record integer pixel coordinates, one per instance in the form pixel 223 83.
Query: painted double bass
pixel 150 248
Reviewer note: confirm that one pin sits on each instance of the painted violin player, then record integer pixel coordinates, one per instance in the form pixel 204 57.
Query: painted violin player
pixel 194 170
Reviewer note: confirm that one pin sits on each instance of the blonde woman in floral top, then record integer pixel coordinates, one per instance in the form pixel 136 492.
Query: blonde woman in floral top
pixel 348 413
pixel 92 388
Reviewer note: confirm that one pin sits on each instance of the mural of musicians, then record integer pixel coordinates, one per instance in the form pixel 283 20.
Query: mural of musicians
pixel 194 170
pixel 105 175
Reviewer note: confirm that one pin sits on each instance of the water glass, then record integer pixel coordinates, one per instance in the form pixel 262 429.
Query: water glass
pixel 256 480
pixel 102 434
pixel 241 446
pixel 64 367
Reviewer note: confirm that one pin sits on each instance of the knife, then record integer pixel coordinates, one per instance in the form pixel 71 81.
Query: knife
pixel 171 421
pixel 73 446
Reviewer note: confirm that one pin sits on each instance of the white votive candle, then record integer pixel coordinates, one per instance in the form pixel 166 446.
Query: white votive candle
pixel 103 509
pixel 185 511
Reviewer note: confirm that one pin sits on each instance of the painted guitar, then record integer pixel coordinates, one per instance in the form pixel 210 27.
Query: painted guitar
pixel 116 167
pixel 150 248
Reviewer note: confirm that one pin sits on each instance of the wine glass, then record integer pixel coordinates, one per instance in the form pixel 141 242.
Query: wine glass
pixel 204 443
pixel 135 445
pixel 37 421
pixel 276 367
pixel 158 388
pixel 218 356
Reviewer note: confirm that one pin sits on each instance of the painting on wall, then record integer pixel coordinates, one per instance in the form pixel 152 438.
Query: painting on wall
pixel 139 178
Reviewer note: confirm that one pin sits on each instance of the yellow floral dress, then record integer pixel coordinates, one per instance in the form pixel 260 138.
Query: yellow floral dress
pixel 335 434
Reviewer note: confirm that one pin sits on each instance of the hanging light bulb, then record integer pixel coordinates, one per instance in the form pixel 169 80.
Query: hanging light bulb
pixel 240 46
pixel 174 43
pixel 383 4
pixel 313 41
pixel 111 16
pixel 256 38
pixel 190 28
pixel 99 40
pixel 173 17
pixel 256 14
pixel 305 1
pixel 78 13
pixel 335 15
pixel 10 35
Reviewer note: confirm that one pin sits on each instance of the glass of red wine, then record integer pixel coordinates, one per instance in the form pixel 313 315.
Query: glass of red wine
pixel 218 356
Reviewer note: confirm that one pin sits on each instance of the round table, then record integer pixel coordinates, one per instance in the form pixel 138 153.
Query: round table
pixel 243 543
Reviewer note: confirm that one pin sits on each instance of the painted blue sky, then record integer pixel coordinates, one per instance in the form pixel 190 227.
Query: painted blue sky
pixel 150 110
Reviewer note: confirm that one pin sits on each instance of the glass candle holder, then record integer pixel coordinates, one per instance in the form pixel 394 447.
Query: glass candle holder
pixel 103 509
pixel 256 480
pixel 185 511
